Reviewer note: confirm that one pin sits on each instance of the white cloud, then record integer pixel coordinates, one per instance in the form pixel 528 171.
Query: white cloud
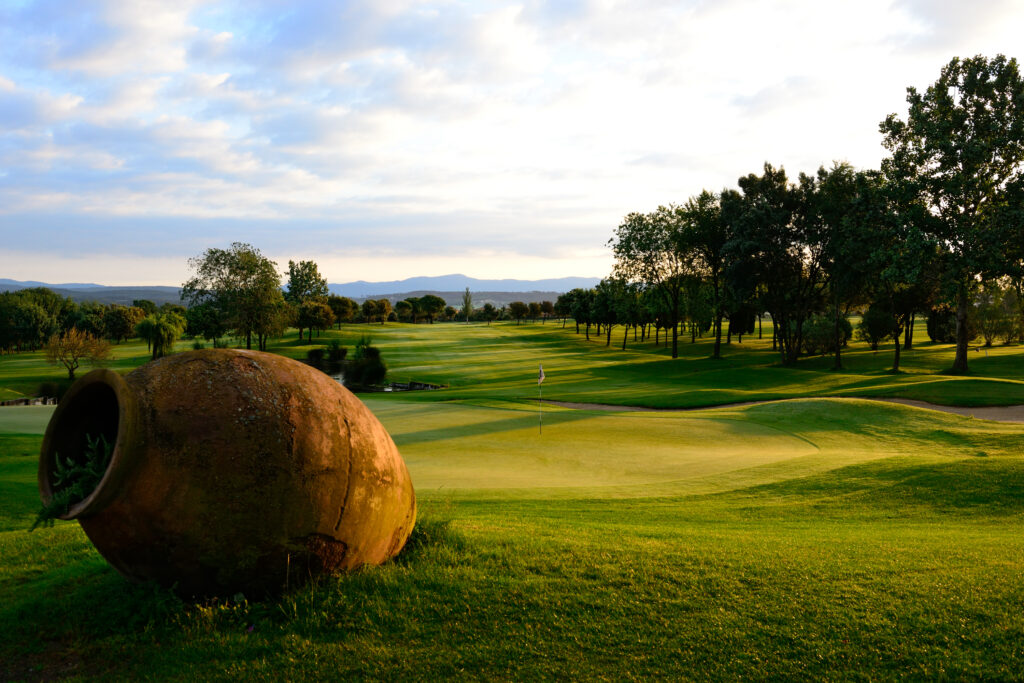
pixel 449 128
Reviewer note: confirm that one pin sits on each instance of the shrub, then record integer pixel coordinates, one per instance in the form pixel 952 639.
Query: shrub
pixel 819 334
pixel 942 325
pixel 366 367
pixel 875 326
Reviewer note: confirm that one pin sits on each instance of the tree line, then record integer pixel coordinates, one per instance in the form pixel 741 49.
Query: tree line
pixel 937 230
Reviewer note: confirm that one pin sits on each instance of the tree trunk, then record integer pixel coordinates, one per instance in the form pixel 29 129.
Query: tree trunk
pixel 717 353
pixel 908 335
pixel 625 335
pixel 758 325
pixel 896 356
pixel 248 340
pixel 960 360
pixel 675 340
pixel 838 365
pixel 608 329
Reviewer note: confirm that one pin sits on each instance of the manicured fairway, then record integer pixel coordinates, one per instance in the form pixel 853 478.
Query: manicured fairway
pixel 812 539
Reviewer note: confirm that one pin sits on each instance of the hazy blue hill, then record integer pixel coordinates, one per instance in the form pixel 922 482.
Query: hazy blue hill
pixel 448 287
pixel 104 295
pixel 445 284
pixel 10 285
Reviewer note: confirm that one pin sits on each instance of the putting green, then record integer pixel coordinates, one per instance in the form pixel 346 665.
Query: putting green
pixel 495 449
pixel 25 419
pixel 463 450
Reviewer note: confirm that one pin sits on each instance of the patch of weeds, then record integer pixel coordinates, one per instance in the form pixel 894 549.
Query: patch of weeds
pixel 428 536
pixel 74 479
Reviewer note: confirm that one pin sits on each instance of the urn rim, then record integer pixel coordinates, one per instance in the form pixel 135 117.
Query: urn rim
pixel 96 394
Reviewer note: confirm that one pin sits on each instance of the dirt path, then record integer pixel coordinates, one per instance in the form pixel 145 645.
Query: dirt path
pixel 995 413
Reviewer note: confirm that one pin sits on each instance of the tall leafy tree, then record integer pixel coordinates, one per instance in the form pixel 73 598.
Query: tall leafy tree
pixel 342 307
pixel 518 310
pixel 431 306
pixel 706 233
pixel 961 149
pixel 773 246
pixel 650 250
pixel 244 286
pixel 842 212
pixel 383 310
pixel 305 283
pixel 467 304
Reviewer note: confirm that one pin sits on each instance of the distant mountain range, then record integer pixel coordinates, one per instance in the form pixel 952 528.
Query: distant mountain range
pixel 448 287
pixel 457 283
pixel 105 295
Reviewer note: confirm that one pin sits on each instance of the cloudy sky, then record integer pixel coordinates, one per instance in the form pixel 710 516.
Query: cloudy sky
pixel 394 138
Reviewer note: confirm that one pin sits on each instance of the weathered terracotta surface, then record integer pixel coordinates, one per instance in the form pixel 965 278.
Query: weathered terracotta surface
pixel 233 471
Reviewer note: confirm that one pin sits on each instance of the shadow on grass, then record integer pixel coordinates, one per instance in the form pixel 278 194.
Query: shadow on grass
pixel 979 485
pixel 61 617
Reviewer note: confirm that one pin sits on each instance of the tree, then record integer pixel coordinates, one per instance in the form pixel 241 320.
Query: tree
pixel 304 282
pixel 773 246
pixel 167 329
pixel 73 347
pixel 534 308
pixel 342 307
pixel 415 307
pixel 161 330
pixel 120 321
pixel 649 250
pixel 582 309
pixel 403 309
pixel 314 315
pixel 518 310
pixel 903 263
pixel 547 309
pixel 383 310
pixel 843 212
pixel 369 309
pixel 147 306
pixel 32 324
pixel 489 312
pixel 563 307
pixel 245 288
pixel 707 234
pixel 467 304
pixel 961 149
pixel 205 321
pixel 431 306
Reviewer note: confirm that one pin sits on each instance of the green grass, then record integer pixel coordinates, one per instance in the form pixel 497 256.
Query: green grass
pixel 812 539
pixel 482 363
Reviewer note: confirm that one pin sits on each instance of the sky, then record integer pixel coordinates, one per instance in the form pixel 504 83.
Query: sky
pixel 392 138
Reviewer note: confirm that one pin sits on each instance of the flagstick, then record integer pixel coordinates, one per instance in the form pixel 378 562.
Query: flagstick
pixel 540 415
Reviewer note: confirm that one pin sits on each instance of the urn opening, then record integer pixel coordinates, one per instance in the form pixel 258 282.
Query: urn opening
pixel 87 424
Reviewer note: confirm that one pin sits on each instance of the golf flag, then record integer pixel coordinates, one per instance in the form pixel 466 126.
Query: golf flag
pixel 541 378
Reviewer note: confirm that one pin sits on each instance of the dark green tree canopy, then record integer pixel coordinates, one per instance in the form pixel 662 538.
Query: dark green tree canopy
pixel 245 288
pixel 305 282
pixel 961 150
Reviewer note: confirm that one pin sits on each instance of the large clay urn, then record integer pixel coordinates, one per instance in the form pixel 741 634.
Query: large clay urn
pixel 232 471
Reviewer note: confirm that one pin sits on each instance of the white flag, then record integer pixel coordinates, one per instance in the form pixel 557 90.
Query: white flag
pixel 541 378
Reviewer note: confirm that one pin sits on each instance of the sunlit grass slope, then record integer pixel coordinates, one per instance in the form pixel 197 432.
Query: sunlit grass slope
pixel 813 539
pixel 482 362
pixel 805 539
